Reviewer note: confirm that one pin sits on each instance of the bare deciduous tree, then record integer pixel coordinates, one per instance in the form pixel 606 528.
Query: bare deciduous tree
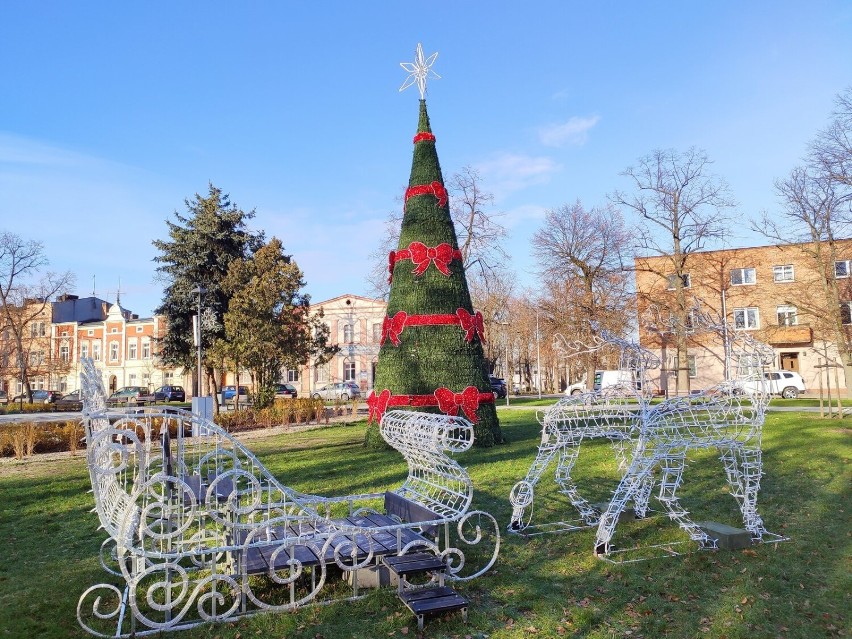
pixel 25 294
pixel 831 151
pixel 813 216
pixel 580 255
pixel 683 208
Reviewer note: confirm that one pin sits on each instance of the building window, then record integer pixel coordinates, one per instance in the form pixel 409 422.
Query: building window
pixel 131 350
pixel 36 358
pixel 146 349
pixel 746 318
pixel 139 329
pixel 293 375
pixel 690 363
pixel 846 312
pixel 96 351
pixel 84 349
pixel 842 268
pixel 146 379
pixel 322 373
pixel 90 332
pixel 113 351
pixel 168 378
pixel 348 331
pixel 63 384
pixel 113 330
pixel 64 353
pixel 131 379
pixel 783 273
pixel 64 333
pixel 37 329
pixel 672 279
pixel 787 315
pixel 348 371
pixel 377 333
pixel 740 276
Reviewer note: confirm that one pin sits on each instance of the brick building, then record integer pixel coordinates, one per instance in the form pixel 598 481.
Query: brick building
pixel 42 368
pixel 122 344
pixel 779 293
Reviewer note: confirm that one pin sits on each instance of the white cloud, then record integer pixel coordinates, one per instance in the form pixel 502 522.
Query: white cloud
pixel 574 132
pixel 508 172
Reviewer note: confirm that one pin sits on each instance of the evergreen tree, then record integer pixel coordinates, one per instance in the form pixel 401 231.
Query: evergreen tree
pixel 204 243
pixel 268 323
pixel 431 356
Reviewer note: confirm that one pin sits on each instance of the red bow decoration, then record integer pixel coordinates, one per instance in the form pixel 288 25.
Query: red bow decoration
pixel 472 324
pixel 450 402
pixel 436 188
pixel 378 404
pixel 392 327
pixel 423 255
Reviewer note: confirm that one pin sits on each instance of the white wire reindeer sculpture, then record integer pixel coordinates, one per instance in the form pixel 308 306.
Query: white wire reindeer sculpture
pixel 613 413
pixel 728 417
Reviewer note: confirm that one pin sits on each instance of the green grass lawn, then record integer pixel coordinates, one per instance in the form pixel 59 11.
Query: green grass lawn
pixel 545 586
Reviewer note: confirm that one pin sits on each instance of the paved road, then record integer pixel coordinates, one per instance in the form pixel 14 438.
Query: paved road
pixel 39 417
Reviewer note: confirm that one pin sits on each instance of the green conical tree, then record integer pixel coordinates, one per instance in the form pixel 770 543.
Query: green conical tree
pixel 431 356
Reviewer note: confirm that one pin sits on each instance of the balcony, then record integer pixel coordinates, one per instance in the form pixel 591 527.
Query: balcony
pixel 789 335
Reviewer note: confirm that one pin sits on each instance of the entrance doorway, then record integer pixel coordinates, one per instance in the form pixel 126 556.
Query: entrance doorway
pixel 113 384
pixel 790 362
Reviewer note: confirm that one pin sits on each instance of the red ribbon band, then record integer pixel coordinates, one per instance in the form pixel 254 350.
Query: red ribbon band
pixel 446 400
pixel 471 323
pixel 436 188
pixel 424 136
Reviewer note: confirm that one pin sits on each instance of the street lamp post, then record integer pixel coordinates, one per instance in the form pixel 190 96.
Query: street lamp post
pixel 537 355
pixel 200 290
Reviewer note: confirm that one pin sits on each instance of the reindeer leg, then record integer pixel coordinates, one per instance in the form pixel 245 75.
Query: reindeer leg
pixel 643 495
pixel 743 467
pixel 567 459
pixel 672 465
pixel 522 493
pixel 628 488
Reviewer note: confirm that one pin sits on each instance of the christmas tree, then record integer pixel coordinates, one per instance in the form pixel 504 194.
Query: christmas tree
pixel 431 356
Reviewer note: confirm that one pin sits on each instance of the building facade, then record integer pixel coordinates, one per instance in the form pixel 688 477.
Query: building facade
pixel 355 325
pixel 783 295
pixel 123 346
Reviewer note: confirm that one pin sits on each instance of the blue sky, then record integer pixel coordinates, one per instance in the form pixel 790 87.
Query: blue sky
pixel 113 113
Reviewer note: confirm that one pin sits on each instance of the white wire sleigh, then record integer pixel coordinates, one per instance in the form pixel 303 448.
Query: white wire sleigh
pixel 198 530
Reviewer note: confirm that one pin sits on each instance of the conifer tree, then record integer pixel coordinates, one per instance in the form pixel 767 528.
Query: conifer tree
pixel 203 243
pixel 431 356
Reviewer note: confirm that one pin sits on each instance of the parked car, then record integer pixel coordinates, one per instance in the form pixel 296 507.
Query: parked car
pixel 498 385
pixel 577 387
pixel 228 393
pixel 128 395
pixel 787 384
pixel 338 390
pixel 70 401
pixel 169 393
pixel 286 391
pixel 39 397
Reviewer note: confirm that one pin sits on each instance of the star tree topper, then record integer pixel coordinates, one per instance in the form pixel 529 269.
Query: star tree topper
pixel 419 71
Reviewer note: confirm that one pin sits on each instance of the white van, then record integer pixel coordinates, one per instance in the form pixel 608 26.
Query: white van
pixel 616 378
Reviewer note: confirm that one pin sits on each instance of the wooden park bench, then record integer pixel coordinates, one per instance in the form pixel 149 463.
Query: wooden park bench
pixel 198 530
